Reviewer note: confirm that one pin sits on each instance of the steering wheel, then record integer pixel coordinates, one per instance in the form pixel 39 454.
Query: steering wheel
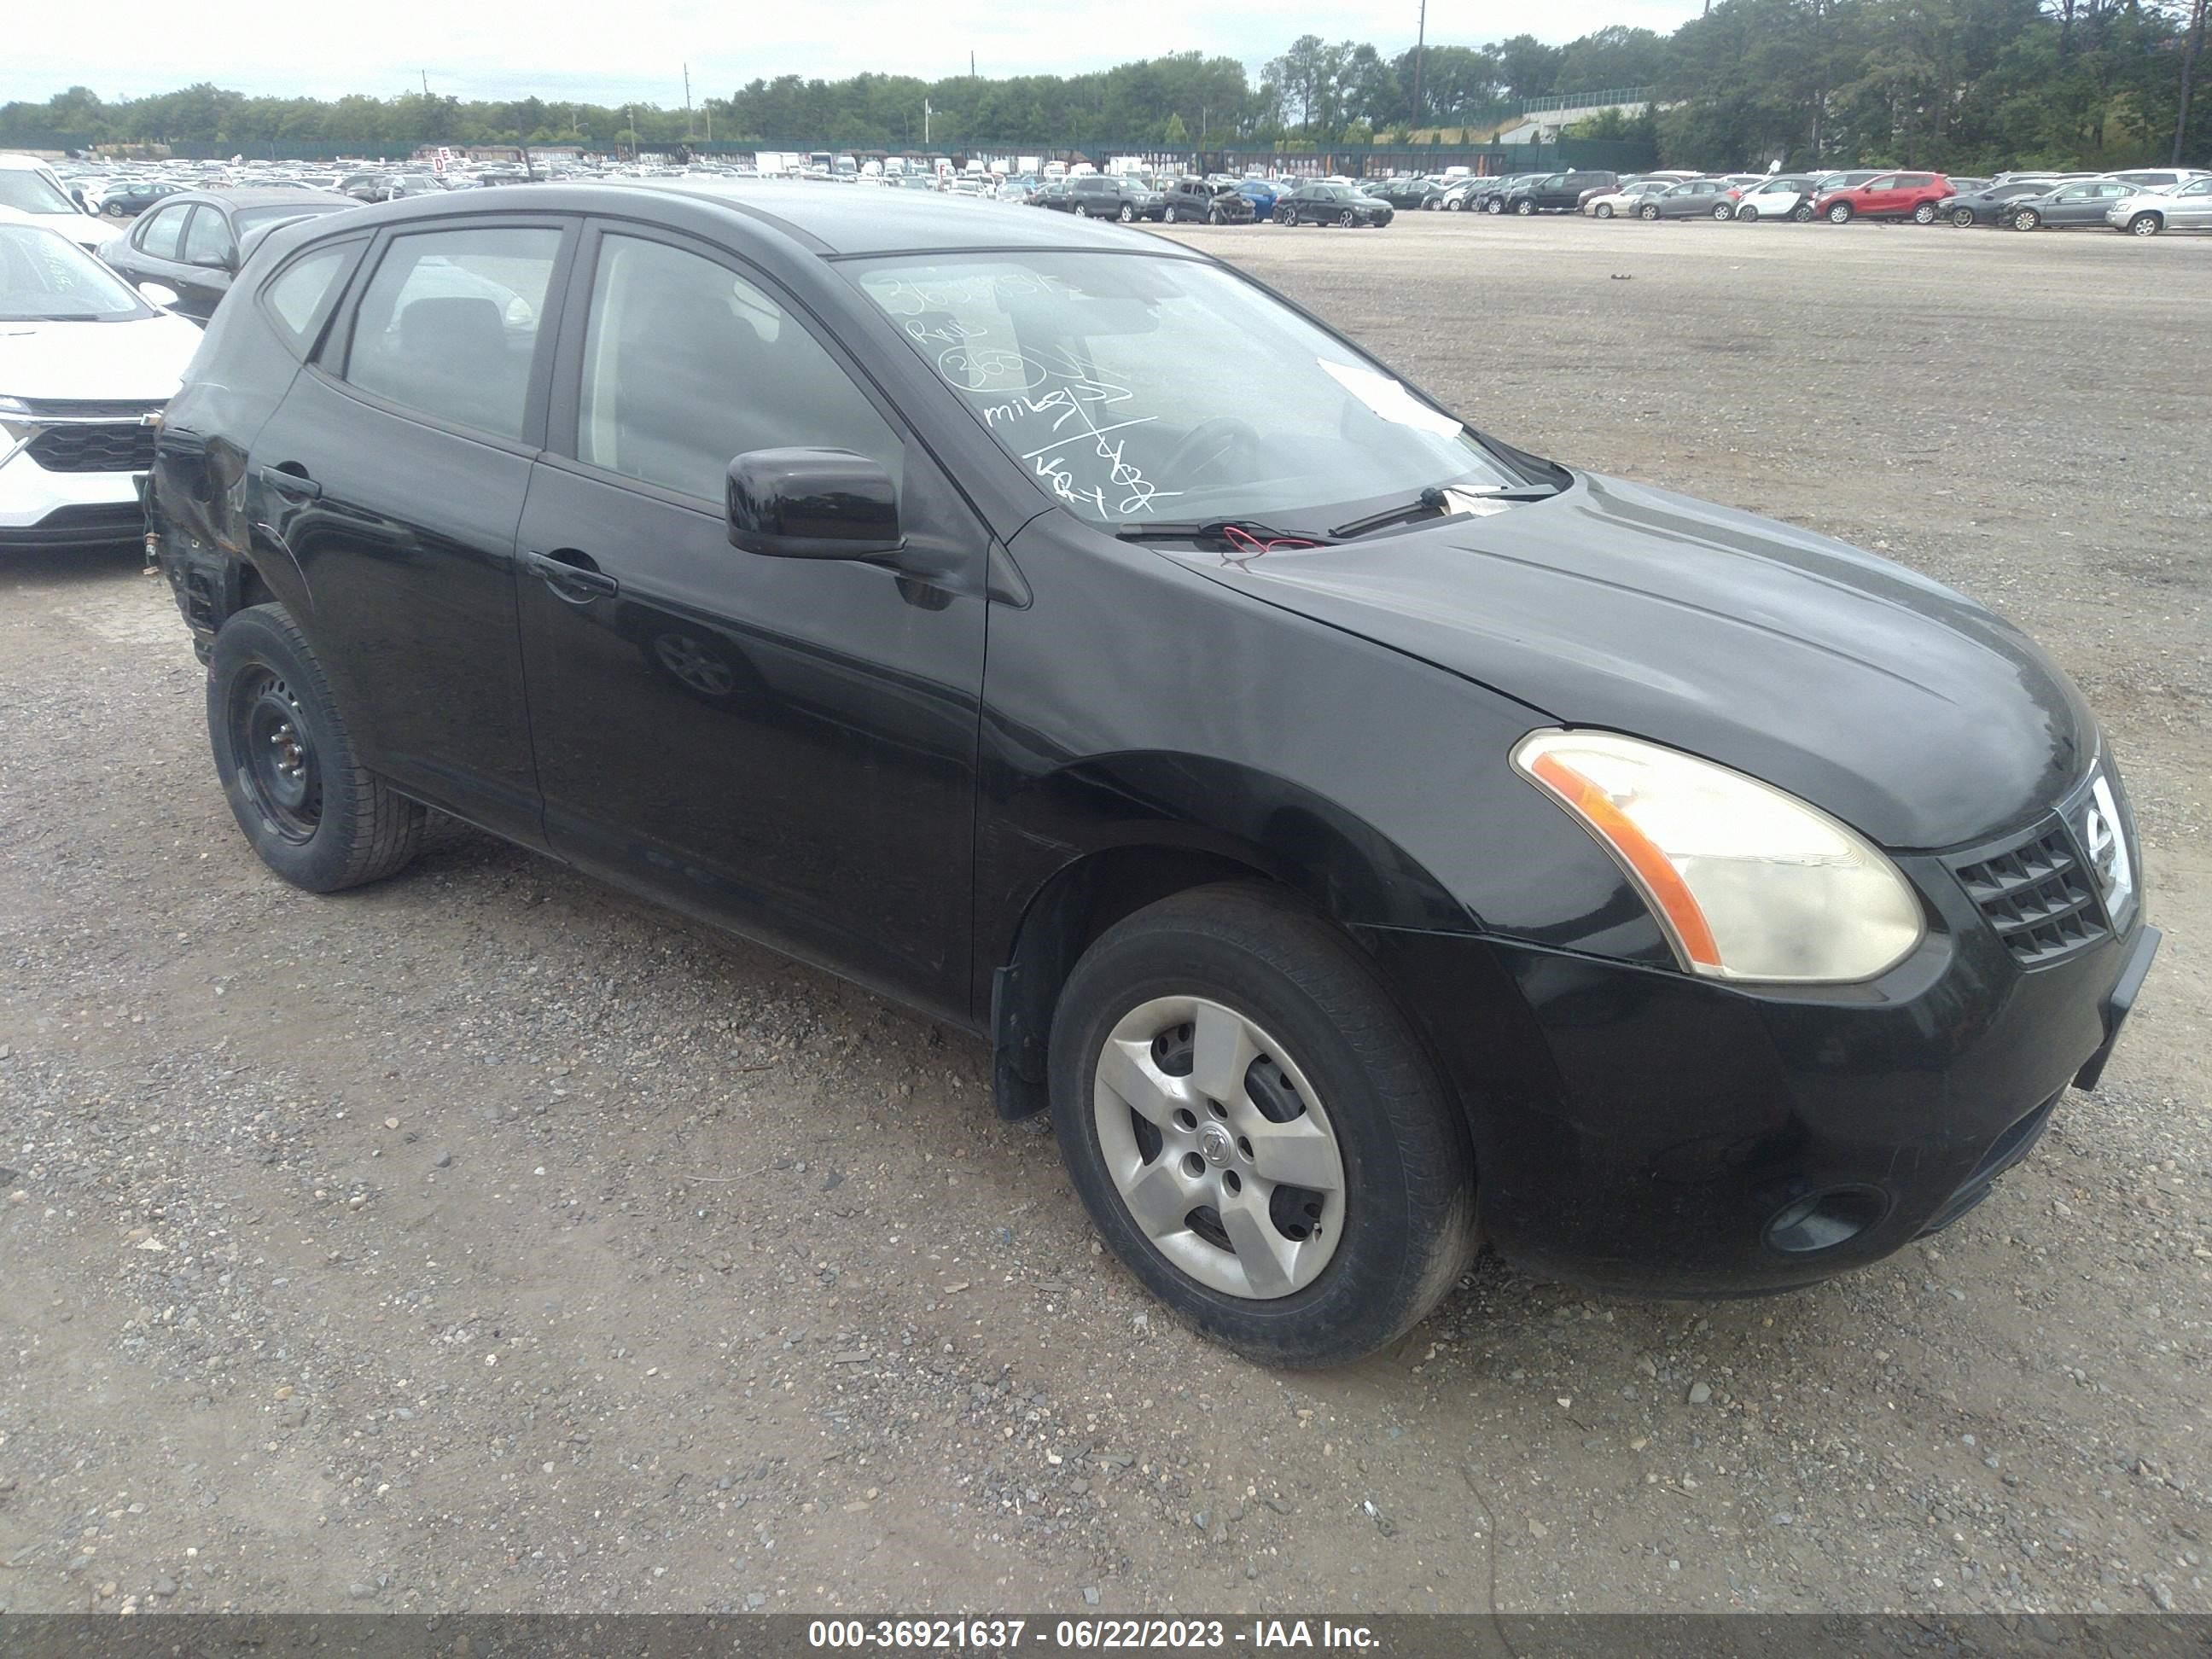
pixel 1208 444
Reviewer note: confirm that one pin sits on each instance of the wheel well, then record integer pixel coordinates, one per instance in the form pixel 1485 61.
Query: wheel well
pixel 1080 901
pixel 252 589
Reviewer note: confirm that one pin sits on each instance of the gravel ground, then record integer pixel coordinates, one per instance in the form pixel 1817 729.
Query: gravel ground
pixel 489 1241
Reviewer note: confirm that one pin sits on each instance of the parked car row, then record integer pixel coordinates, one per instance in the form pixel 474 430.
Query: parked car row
pixel 2143 202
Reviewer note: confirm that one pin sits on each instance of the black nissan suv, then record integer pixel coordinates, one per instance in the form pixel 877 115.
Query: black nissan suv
pixel 1367 837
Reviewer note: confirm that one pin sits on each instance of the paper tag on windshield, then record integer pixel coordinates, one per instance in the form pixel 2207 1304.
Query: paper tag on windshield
pixel 1390 399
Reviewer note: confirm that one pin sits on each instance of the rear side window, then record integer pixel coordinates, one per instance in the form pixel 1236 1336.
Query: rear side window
pixel 299 296
pixel 164 235
pixel 449 324
pixel 207 242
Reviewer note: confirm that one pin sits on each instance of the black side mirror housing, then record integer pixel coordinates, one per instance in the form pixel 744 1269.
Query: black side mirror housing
pixel 812 504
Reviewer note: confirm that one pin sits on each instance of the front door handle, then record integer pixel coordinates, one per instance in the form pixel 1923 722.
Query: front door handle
pixel 574 576
pixel 296 485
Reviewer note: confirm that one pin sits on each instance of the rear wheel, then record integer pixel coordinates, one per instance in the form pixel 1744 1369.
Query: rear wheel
pixel 1924 214
pixel 1082 210
pixel 2145 224
pixel 1801 214
pixel 1840 214
pixel 1255 1128
pixel 1722 210
pixel 1963 217
pixel 314 815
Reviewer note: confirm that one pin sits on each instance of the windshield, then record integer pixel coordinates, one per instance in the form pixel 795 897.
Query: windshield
pixel 1105 374
pixel 31 192
pixel 44 277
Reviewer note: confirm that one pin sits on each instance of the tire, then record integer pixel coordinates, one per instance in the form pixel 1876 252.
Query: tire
pixel 1801 214
pixel 1391 1234
pixel 1746 213
pixel 1722 211
pixel 1082 210
pixel 1649 212
pixel 1924 214
pixel 1495 205
pixel 1167 215
pixel 1455 205
pixel 2027 219
pixel 1346 220
pixel 1126 213
pixel 1285 215
pixel 1603 210
pixel 1840 214
pixel 1524 209
pixel 1963 217
pixel 2145 224
pixel 1213 215
pixel 288 765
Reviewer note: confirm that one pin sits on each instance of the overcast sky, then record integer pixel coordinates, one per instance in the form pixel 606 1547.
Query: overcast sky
pixel 637 48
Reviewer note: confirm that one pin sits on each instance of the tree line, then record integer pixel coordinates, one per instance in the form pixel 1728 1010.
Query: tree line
pixel 1962 84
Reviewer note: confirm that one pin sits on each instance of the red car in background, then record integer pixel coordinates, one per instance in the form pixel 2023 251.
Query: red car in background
pixel 1886 196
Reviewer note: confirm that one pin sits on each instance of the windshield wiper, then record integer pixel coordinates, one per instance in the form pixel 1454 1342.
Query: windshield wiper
pixel 1433 503
pixel 1215 530
pixel 56 317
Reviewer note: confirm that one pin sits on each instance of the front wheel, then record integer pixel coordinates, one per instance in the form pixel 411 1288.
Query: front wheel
pixel 1493 206
pixel 1924 214
pixel 1286 217
pixel 1840 214
pixel 1746 213
pixel 1167 215
pixel 1256 1130
pixel 1126 213
pixel 1604 210
pixel 1963 217
pixel 1213 215
pixel 1649 212
pixel 2145 224
pixel 1345 220
pixel 1455 205
pixel 2027 219
pixel 288 765
pixel 1524 209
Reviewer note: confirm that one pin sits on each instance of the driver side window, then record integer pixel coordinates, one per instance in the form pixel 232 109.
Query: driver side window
pixel 207 242
pixel 687 364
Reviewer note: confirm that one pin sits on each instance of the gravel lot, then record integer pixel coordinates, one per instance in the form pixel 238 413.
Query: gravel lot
pixel 489 1241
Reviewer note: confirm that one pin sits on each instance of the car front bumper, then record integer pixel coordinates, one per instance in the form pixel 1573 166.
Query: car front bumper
pixel 1645 1130
pixel 46 509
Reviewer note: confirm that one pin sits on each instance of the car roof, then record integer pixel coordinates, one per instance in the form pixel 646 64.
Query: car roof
pixel 249 196
pixel 829 221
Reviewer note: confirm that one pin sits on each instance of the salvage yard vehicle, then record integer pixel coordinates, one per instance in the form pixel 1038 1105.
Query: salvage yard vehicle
pixel 1198 201
pixel 2187 206
pixel 1695 198
pixel 1324 203
pixel 1627 198
pixel 1915 195
pixel 1992 203
pixel 86 364
pixel 1366 837
pixel 1557 192
pixel 2069 207
pixel 30 187
pixel 1789 196
pixel 190 241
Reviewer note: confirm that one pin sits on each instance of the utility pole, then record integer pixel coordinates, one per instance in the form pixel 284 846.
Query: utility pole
pixel 925 124
pixel 426 83
pixel 690 132
pixel 1420 53
pixel 2189 53
pixel 971 63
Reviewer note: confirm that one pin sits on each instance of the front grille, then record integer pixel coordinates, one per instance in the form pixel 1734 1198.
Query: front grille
pixel 101 448
pixel 2039 896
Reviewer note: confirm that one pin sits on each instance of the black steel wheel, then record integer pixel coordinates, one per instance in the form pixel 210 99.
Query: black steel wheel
pixel 313 812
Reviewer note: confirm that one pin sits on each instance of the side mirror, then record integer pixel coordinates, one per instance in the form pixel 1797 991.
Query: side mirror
pixel 811 504
pixel 159 294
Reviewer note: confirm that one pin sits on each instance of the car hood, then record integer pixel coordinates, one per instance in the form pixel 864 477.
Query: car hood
pixel 141 360
pixel 1900 706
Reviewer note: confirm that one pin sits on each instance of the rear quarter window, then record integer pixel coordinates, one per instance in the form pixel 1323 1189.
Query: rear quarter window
pixel 298 298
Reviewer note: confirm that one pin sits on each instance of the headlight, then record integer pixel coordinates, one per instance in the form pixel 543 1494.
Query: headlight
pixel 1747 881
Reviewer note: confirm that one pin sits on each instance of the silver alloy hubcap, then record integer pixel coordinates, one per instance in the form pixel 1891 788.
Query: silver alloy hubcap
pixel 1236 1178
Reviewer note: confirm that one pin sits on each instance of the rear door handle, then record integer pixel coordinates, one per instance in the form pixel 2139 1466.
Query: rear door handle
pixel 296 485
pixel 571 574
